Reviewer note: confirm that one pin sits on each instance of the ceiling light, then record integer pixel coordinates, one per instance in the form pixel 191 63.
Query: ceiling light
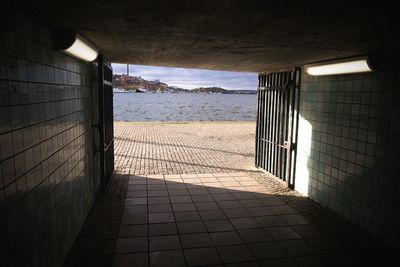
pixel 354 65
pixel 73 44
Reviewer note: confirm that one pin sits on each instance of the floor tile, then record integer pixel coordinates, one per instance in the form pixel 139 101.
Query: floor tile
pixel 158 200
pixel 229 204
pixel 136 193
pixel 196 240
pixel 254 235
pixel 155 208
pixel 178 192
pixel 201 256
pixel 199 191
pixel 205 175
pixel 190 175
pixel 134 219
pixel 217 190
pixel 137 188
pixel 260 211
pixel 212 214
pixel 183 207
pixel 308 231
pixel 191 227
pixel 280 262
pixel 242 195
pixel 136 201
pixel 178 176
pixel 264 195
pixel 126 245
pixel 166 242
pixel 282 233
pixel 233 254
pixel 269 221
pixel 171 258
pixel 319 260
pixel 152 187
pixel 133 230
pixel 282 209
pixel 244 223
pixel 139 209
pixel 236 213
pixel 161 217
pixel 135 259
pixel 208 180
pixel 203 198
pixel 222 197
pixel 267 250
pixel 162 229
pixel 294 219
pixel 157 193
pixel 248 203
pixel 325 244
pixel 192 181
pixel 142 181
pixel 296 247
pixel 207 206
pixel 273 201
pixel 181 199
pixel 226 238
pixel 244 264
pixel 218 225
pixel 183 216
pixel 174 185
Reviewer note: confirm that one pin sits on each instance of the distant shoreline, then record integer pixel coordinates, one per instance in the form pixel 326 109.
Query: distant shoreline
pixel 124 82
pixel 186 122
pixel 231 92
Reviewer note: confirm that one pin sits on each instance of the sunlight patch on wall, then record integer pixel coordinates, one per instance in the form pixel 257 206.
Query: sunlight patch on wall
pixel 303 153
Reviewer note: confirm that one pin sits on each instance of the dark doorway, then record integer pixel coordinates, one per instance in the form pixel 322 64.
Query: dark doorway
pixel 277 120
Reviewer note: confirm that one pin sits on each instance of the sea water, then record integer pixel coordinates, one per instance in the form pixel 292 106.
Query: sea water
pixel 184 107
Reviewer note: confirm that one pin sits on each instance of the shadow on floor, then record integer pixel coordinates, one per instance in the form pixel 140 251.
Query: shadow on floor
pixel 215 219
pixel 219 168
pixel 158 144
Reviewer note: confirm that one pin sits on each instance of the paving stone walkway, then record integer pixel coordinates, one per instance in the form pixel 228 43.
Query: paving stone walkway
pixel 176 148
pixel 187 195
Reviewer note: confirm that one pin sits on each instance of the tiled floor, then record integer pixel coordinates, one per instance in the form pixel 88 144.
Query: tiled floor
pixel 217 219
pixel 213 219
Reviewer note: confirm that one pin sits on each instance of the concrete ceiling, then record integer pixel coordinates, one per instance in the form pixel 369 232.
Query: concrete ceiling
pixel 248 35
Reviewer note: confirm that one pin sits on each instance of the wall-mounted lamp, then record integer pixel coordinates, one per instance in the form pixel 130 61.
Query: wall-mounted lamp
pixel 73 44
pixel 345 66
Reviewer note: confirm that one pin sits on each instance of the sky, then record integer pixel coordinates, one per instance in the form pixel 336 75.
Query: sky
pixel 192 78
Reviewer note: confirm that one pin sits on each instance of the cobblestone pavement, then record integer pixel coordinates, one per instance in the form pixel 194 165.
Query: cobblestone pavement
pixel 187 195
pixel 176 148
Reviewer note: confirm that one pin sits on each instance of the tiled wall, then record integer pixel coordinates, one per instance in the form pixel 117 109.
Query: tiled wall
pixel 349 148
pixel 46 184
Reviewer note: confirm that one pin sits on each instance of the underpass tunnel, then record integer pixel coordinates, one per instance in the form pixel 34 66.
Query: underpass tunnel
pixel 327 118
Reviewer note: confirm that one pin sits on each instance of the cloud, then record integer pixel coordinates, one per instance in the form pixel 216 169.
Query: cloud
pixel 192 78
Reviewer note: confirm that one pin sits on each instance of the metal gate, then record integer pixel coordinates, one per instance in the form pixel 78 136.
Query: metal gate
pixel 277 120
pixel 106 121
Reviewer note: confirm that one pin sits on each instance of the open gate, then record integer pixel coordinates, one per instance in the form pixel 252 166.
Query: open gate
pixel 106 121
pixel 277 121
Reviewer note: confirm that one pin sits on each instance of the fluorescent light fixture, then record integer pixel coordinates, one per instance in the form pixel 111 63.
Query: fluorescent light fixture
pixel 339 67
pixel 82 50
pixel 75 45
